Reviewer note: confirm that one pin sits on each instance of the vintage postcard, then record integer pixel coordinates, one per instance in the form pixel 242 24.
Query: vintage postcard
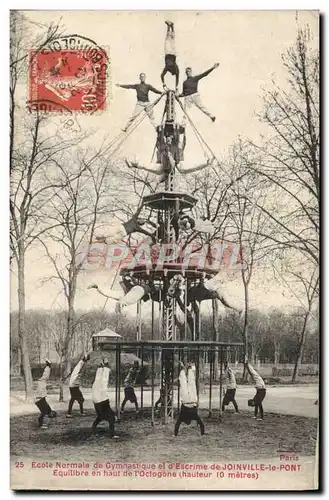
pixel 164 239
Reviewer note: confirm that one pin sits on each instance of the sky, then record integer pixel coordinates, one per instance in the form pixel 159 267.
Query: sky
pixel 248 47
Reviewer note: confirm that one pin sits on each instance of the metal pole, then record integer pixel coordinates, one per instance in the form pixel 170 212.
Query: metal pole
pixel 210 380
pixel 152 392
pixel 172 384
pixel 199 325
pixel 221 382
pixel 215 337
pixel 197 374
pixel 160 314
pixel 164 386
pixel 152 325
pixel 139 316
pixel 194 323
pixel 178 387
pixel 185 310
pixel 142 385
pixel 119 382
pixel 117 378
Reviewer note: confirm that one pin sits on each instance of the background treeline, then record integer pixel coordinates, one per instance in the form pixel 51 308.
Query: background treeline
pixel 273 335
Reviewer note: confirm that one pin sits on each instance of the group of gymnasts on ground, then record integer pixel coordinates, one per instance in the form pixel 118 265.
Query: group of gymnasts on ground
pixel 100 395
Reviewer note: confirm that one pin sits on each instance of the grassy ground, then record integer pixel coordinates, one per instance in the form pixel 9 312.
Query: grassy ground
pixel 236 437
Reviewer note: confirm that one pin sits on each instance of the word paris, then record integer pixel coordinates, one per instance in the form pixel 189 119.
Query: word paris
pixel 218 255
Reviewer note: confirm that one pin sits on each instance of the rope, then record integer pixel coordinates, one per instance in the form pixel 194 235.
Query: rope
pixel 201 140
pixel 162 119
pixel 197 133
pixel 137 121
pixel 107 298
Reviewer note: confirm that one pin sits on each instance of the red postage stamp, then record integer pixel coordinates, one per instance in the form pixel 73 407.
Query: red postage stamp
pixel 75 78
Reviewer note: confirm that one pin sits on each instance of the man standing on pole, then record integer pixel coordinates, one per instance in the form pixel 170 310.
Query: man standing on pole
pixel 191 94
pixel 142 90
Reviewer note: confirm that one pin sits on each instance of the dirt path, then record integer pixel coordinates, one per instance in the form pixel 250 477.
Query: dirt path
pixel 291 400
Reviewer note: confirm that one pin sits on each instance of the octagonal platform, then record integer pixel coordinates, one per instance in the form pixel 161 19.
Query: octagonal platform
pixel 169 199
pixel 155 271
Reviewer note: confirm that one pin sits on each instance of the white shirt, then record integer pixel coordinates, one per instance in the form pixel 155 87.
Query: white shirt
pixel 257 379
pixel 75 379
pixel 100 385
pixel 41 391
pixel 230 381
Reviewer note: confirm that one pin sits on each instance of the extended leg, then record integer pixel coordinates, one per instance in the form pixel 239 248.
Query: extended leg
pixel 223 404
pixel 183 387
pixel 123 404
pixel 111 427
pixel 235 405
pixel 170 46
pixel 150 113
pixel 187 105
pixel 40 419
pixel 197 101
pixel 81 406
pixel 69 411
pixel 95 423
pixel 137 110
pixel 177 425
pixel 256 410
pixel 133 296
pixel 261 411
pixel 191 385
pixel 200 422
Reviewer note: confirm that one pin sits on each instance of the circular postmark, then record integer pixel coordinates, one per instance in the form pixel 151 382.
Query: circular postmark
pixel 66 119
pixel 70 71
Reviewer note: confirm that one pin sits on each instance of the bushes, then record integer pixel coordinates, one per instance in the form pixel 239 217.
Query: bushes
pixel 37 371
pixel 287 372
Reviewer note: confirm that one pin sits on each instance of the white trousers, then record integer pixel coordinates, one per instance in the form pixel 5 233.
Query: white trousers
pixel 194 99
pixel 187 387
pixel 170 46
pixel 138 109
pixel 133 296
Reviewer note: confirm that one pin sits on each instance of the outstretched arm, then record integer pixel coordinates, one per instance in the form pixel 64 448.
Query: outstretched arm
pixel 163 75
pixel 113 294
pixel 177 78
pixel 133 86
pixel 196 168
pixel 202 75
pixel 156 91
pixel 154 168
pixel 225 302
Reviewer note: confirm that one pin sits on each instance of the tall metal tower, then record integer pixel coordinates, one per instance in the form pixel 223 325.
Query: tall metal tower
pixel 168 204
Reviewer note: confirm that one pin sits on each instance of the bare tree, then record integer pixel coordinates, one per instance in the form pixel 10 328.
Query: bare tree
pixel 290 157
pixel 31 154
pixel 302 281
pixel 74 214
pixel 248 222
